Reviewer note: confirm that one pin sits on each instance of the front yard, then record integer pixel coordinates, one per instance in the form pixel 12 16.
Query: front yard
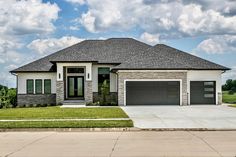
pixel 56 117
pixel 229 98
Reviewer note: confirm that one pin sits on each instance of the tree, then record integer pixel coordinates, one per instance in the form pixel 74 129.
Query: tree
pixel 4 100
pixel 12 96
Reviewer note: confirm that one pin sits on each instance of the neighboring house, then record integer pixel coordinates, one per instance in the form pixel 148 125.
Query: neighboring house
pixel 137 73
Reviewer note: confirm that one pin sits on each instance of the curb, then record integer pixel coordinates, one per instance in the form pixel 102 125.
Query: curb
pixel 132 129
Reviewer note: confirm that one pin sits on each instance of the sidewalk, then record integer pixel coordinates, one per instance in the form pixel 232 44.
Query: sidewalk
pixel 119 144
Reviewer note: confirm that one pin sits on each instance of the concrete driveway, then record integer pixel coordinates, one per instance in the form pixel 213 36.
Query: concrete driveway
pixel 198 116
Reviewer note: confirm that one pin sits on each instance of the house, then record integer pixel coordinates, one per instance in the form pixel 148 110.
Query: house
pixel 137 74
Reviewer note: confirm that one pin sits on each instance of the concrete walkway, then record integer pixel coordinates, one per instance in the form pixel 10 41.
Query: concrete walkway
pixel 118 144
pixel 198 116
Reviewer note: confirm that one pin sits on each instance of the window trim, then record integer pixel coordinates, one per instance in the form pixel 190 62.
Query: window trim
pixel 27 91
pixel 41 86
pixel 45 84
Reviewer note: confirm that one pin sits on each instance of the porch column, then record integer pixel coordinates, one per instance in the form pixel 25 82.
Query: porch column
pixel 60 92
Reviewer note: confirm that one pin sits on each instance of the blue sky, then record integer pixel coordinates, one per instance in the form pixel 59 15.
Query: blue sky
pixel 35 28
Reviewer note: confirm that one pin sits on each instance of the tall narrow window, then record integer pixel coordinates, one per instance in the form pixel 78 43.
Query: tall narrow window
pixel 47 86
pixel 38 86
pixel 30 86
pixel 103 75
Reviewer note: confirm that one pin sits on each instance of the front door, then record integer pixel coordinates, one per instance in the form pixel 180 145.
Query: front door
pixel 76 87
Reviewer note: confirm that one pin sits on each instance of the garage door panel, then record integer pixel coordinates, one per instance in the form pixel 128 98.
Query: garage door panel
pixel 152 93
pixel 202 92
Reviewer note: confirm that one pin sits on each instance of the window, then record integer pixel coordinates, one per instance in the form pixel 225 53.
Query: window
pixel 75 70
pixel 103 74
pixel 208 83
pixel 47 86
pixel 38 86
pixel 30 86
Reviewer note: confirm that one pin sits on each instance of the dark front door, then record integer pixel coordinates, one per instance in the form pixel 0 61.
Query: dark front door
pixel 152 93
pixel 202 92
pixel 75 87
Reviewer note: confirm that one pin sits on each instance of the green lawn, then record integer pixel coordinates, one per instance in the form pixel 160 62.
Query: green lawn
pixel 57 112
pixel 68 124
pixel 227 98
pixel 63 113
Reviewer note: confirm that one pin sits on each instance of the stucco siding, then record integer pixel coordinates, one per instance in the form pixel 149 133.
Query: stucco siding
pixel 22 77
pixel 209 75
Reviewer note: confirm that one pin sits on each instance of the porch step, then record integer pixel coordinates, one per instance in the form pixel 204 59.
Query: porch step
pixel 74 103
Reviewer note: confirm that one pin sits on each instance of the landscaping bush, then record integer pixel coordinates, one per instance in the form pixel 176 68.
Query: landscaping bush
pixel 7 97
pixel 231 92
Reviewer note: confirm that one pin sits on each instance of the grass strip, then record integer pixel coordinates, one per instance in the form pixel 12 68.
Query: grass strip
pixel 68 124
pixel 57 112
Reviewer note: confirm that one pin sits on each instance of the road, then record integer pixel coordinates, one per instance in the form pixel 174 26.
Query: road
pixel 104 144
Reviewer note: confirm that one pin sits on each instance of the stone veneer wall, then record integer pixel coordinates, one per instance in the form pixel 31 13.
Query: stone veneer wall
pixel 88 91
pixel 151 75
pixel 60 92
pixel 26 99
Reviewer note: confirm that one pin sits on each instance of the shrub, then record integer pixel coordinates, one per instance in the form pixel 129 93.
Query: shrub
pixel 105 92
pixel 231 92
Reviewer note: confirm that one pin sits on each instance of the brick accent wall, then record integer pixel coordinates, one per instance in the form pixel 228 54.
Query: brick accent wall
pixel 88 91
pixel 151 75
pixel 26 99
pixel 60 92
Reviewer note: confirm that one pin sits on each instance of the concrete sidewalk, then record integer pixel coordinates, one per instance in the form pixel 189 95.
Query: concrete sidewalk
pixel 104 144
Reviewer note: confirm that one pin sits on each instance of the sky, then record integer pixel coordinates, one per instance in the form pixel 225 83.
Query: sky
pixel 31 29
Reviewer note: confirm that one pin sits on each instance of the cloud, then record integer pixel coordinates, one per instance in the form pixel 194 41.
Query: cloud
pixel 226 7
pixel 218 44
pixel 150 38
pixel 27 17
pixel 74 28
pixel 167 18
pixel 46 46
pixel 80 2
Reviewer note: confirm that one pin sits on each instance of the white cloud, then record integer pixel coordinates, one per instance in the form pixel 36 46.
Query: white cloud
pixel 27 17
pixel 10 67
pixel 74 28
pixel 46 46
pixel 194 21
pixel 167 18
pixel 18 18
pixel 218 45
pixel 150 38
pixel 80 2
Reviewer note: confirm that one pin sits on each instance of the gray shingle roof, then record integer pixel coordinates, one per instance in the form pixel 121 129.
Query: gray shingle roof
pixel 126 52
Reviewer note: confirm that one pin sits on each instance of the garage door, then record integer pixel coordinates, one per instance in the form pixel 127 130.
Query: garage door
pixel 202 92
pixel 152 93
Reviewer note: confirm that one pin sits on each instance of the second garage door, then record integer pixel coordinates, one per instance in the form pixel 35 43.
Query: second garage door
pixel 152 93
